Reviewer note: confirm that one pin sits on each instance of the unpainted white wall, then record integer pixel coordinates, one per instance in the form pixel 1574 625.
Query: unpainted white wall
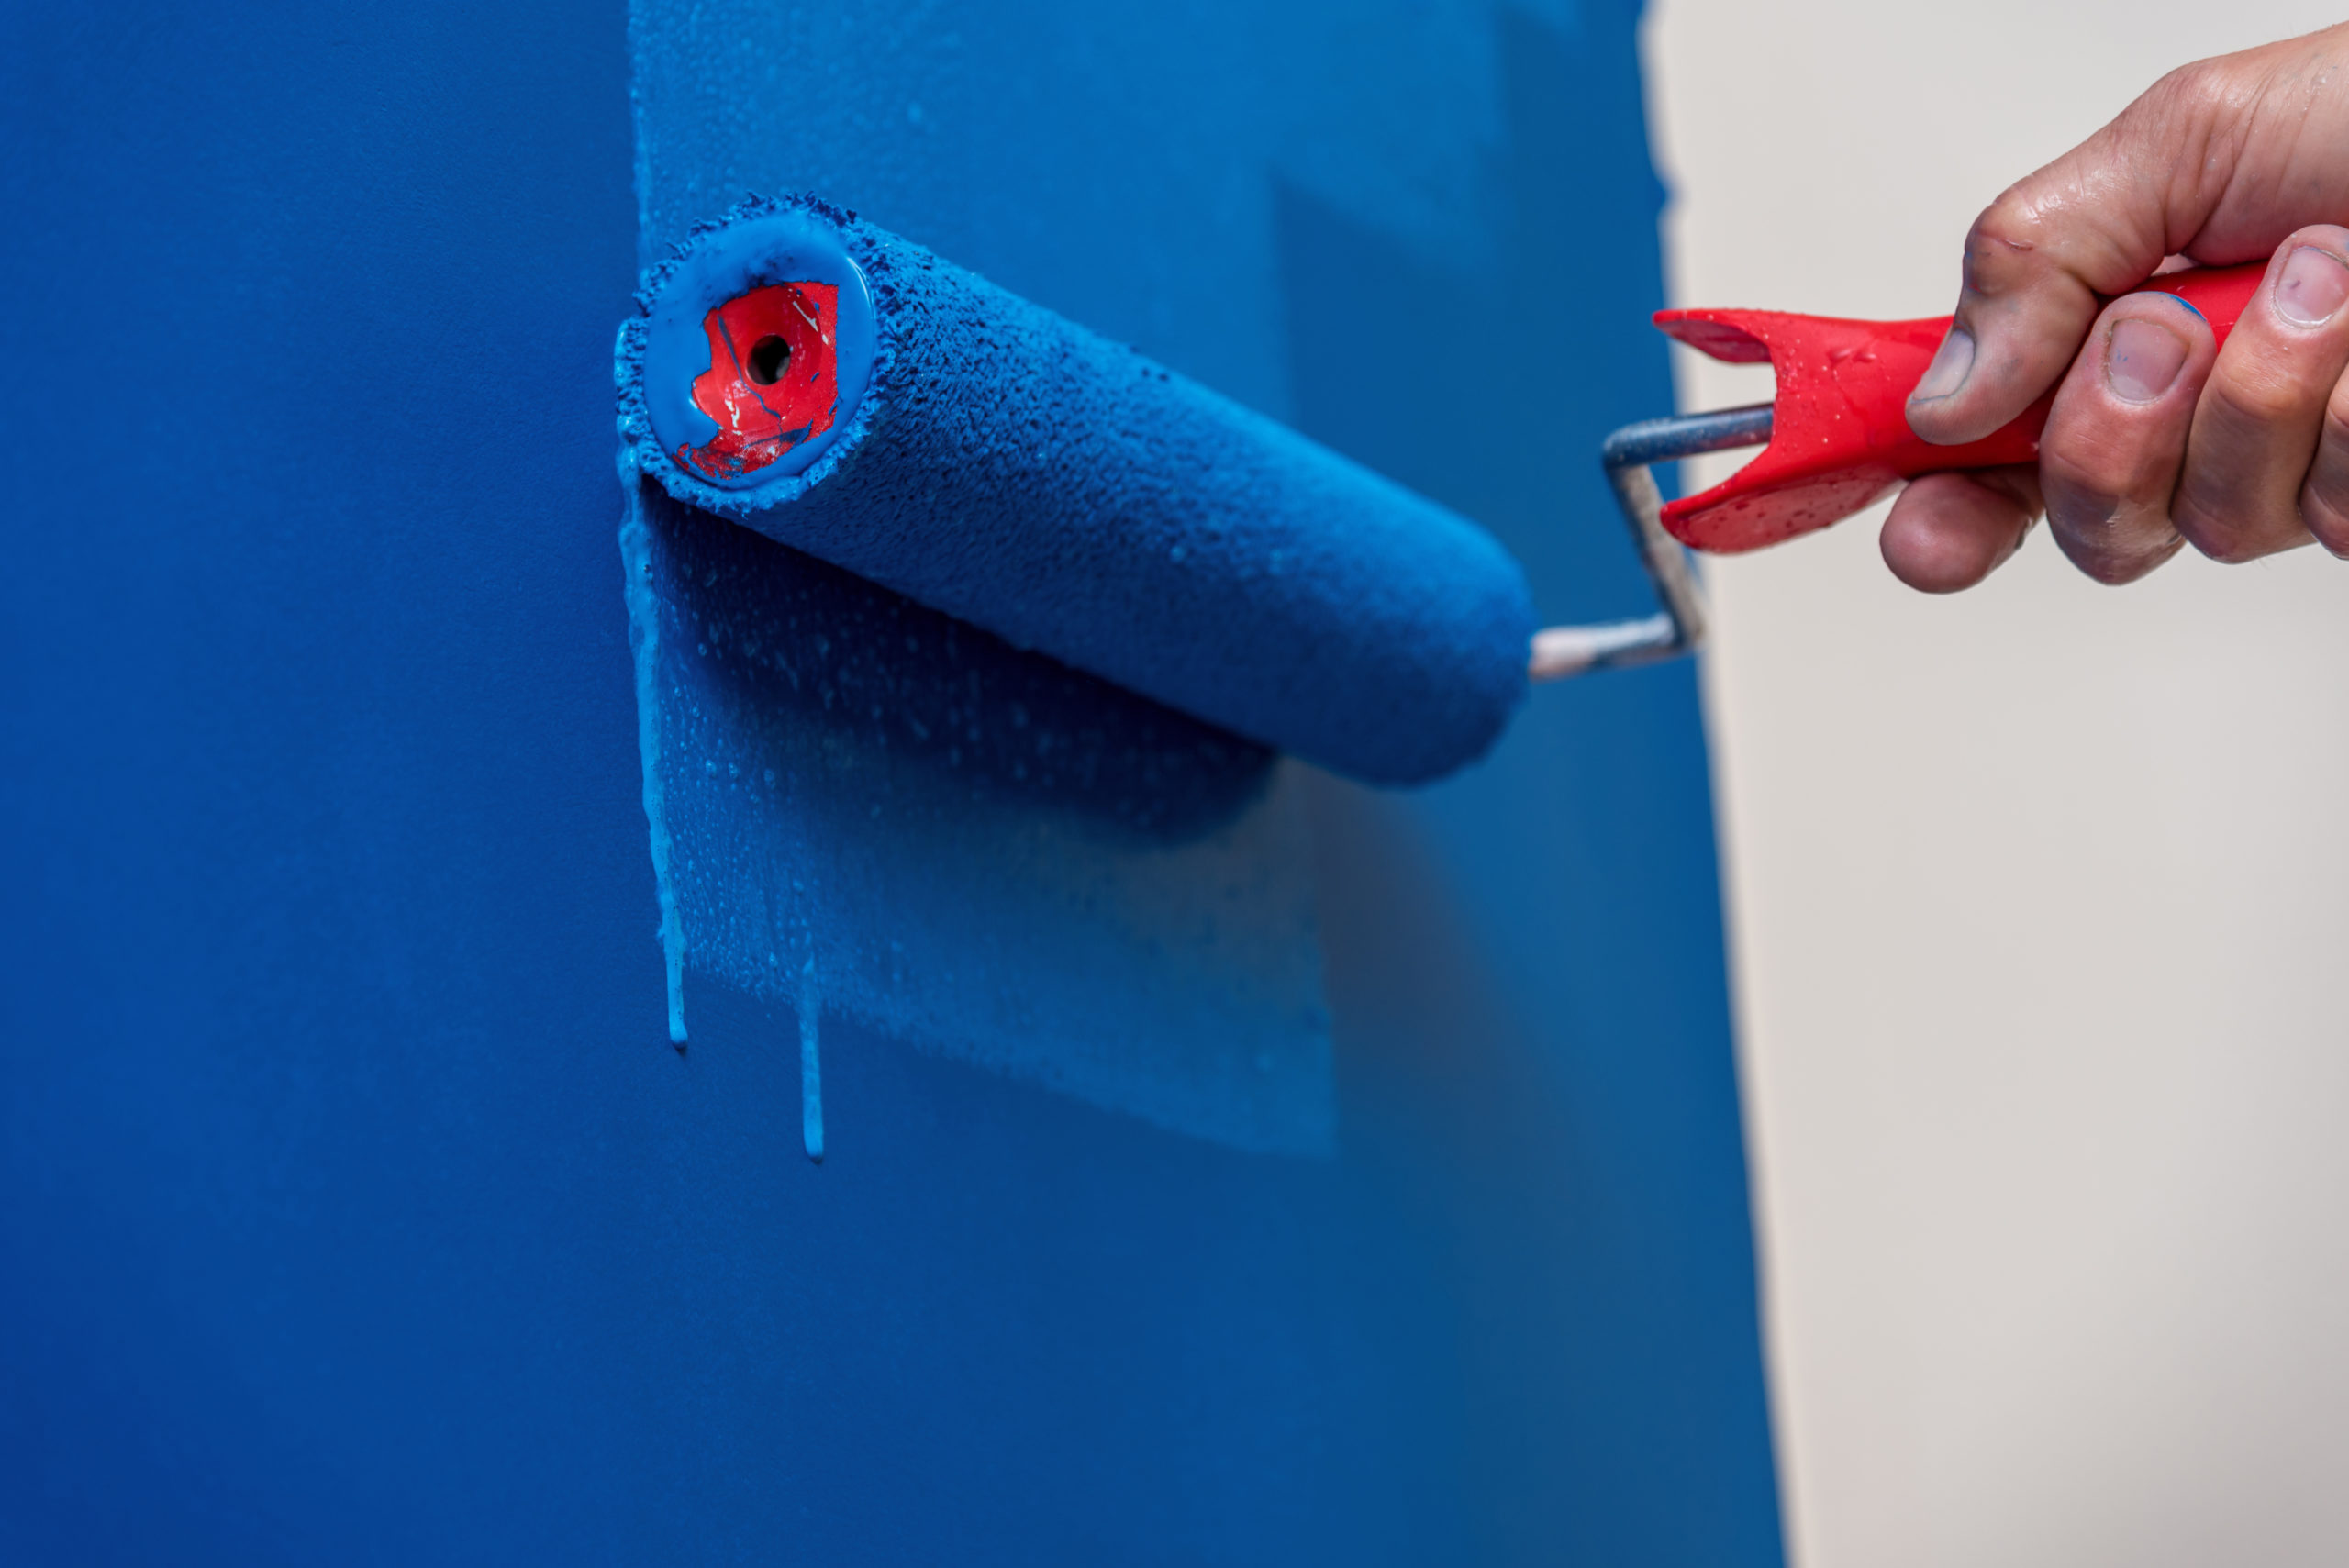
pixel 2040 895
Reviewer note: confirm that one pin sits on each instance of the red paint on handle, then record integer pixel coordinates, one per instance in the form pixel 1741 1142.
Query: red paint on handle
pixel 759 420
pixel 1840 439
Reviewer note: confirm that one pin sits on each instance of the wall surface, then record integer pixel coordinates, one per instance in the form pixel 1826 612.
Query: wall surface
pixel 2038 892
pixel 1220 1163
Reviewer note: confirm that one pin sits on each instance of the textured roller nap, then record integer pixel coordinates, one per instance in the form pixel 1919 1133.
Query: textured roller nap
pixel 1015 470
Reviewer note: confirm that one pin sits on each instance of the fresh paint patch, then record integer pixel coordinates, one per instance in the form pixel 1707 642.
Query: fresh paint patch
pixel 864 808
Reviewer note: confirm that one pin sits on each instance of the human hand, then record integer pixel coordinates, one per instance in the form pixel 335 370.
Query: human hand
pixel 2158 439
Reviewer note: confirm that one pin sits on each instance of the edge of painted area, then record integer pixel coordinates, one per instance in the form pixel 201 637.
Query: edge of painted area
pixel 662 348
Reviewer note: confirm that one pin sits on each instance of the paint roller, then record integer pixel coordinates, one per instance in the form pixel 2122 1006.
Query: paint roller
pixel 849 394
pixel 858 399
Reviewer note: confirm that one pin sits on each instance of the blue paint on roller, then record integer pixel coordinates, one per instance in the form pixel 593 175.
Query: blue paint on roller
pixel 1014 470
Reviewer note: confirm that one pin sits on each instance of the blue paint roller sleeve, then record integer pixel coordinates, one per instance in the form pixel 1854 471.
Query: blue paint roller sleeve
pixel 853 396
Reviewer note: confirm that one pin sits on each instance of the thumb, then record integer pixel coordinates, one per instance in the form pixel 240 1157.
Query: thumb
pixel 2097 221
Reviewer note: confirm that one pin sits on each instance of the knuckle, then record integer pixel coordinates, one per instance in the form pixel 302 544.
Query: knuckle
pixel 2197 102
pixel 2001 239
pixel 2101 534
pixel 2009 222
pixel 2199 84
pixel 2324 498
pixel 2191 123
pixel 2326 520
pixel 2105 560
pixel 2195 524
pixel 2259 397
pixel 2080 494
pixel 2229 539
pixel 2097 470
pixel 2225 547
pixel 2102 566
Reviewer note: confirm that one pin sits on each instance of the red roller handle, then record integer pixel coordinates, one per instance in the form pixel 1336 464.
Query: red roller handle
pixel 1840 440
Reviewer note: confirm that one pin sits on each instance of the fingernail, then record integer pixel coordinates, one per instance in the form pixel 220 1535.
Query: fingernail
pixel 2142 359
pixel 2312 287
pixel 1951 363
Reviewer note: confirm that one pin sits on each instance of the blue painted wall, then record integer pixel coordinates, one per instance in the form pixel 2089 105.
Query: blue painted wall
pixel 355 1207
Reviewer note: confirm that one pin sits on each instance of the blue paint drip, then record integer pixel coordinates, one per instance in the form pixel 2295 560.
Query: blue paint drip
pixel 984 853
pixel 645 645
pixel 811 1067
pixel 981 852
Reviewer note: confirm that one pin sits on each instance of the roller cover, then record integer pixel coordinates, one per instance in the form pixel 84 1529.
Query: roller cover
pixel 937 435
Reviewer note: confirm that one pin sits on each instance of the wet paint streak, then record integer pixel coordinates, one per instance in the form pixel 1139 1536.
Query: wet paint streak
pixel 644 647
pixel 811 1067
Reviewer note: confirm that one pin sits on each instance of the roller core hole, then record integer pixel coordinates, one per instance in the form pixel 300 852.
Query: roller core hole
pixel 772 383
pixel 766 360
